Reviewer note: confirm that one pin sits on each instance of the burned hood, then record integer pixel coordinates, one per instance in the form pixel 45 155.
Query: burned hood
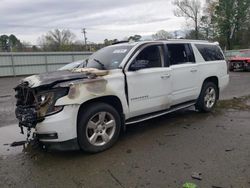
pixel 55 77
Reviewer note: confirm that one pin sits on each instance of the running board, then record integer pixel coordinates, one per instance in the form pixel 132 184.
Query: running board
pixel 160 113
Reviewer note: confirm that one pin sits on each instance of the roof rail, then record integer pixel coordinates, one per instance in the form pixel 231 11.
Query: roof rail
pixel 119 42
pixel 191 40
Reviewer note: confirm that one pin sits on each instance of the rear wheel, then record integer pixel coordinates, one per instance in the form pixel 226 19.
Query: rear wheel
pixel 208 97
pixel 98 127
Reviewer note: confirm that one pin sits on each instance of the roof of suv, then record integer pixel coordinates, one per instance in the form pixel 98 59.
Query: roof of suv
pixel 132 43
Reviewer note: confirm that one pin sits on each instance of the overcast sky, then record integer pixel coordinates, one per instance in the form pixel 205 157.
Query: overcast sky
pixel 29 19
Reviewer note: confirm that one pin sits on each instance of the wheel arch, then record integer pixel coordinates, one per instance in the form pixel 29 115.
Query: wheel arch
pixel 213 79
pixel 112 100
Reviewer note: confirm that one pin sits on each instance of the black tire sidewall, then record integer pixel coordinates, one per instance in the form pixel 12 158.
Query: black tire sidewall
pixel 85 115
pixel 200 105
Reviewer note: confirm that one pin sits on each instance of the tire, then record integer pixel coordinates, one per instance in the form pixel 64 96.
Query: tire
pixel 231 67
pixel 208 97
pixel 98 127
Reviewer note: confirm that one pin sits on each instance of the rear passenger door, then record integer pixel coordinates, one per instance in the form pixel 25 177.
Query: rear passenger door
pixel 184 74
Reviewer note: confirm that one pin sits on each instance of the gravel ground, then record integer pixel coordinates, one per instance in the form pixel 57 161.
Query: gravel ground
pixel 163 152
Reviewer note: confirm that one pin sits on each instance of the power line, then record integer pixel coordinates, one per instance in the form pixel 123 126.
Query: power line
pixel 84 35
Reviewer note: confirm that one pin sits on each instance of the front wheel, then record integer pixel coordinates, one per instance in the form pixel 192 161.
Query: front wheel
pixel 208 97
pixel 98 127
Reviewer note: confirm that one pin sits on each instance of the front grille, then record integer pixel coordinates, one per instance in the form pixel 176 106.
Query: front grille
pixel 26 108
pixel 25 96
pixel 27 116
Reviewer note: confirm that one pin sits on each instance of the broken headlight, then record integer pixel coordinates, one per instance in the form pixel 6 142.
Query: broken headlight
pixel 47 100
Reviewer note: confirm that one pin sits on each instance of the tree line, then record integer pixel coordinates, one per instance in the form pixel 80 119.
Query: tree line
pixel 225 21
pixel 56 40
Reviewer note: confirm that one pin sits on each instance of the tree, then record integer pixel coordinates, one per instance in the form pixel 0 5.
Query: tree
pixel 109 42
pixel 207 21
pixel 190 9
pixel 10 43
pixel 231 18
pixel 57 40
pixel 244 40
pixel 161 35
pixel 4 40
pixel 192 35
pixel 14 41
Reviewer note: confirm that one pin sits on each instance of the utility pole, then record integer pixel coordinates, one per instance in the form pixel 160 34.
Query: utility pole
pixel 84 35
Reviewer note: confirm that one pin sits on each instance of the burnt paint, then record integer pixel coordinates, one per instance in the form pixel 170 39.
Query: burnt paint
pixel 52 78
pixel 97 87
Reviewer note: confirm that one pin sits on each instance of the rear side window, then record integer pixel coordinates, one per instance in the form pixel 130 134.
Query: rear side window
pixel 210 52
pixel 180 54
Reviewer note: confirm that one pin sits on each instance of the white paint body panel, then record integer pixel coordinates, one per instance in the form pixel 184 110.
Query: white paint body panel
pixel 149 90
pixel 185 78
pixel 110 85
pixel 63 123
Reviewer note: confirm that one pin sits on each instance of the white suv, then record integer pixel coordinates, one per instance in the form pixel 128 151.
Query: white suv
pixel 120 84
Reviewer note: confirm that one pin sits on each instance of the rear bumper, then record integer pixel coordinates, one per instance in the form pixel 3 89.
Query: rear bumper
pixel 223 82
pixel 60 127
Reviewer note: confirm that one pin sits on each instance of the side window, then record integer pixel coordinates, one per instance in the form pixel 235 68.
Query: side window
pixel 149 57
pixel 180 54
pixel 210 52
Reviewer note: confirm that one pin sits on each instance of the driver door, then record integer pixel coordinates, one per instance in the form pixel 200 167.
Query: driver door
pixel 149 81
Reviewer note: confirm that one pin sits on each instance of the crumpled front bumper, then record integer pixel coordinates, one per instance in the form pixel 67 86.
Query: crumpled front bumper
pixel 55 132
pixel 27 116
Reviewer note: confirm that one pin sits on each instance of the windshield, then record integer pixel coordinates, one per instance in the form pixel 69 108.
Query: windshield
pixel 109 57
pixel 70 66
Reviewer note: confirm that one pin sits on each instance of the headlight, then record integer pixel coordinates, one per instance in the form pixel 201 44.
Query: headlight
pixel 46 101
pixel 42 98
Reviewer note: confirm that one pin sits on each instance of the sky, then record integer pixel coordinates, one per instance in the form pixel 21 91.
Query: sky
pixel 30 19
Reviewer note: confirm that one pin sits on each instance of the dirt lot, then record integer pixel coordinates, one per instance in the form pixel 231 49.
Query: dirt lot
pixel 163 152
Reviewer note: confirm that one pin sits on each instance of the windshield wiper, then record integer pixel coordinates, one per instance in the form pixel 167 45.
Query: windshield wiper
pixel 86 62
pixel 100 63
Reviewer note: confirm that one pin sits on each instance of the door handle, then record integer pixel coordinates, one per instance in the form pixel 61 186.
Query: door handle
pixel 193 70
pixel 165 76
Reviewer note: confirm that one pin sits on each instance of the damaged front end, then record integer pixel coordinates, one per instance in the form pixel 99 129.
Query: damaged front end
pixel 34 104
pixel 36 96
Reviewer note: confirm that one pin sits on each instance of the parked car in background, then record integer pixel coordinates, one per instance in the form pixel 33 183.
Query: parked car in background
pixel 120 84
pixel 231 53
pixel 241 61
